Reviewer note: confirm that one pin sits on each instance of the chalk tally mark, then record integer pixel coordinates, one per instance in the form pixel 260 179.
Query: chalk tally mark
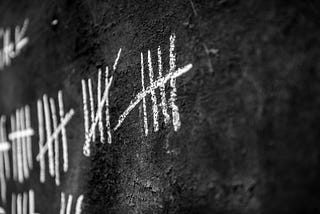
pixel 49 131
pixel 11 49
pixel 158 84
pixel 96 117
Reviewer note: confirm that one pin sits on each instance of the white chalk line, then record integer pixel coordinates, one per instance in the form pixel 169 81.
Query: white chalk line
pixel 24 145
pixel 91 105
pixel 62 203
pixel 153 95
pixel 48 134
pixel 145 117
pixel 79 204
pixel 31 202
pixel 86 147
pixel 69 204
pixel 19 149
pixel 14 151
pixel 99 100
pixel 19 204
pixel 56 142
pixel 162 90
pixel 175 109
pixel 2 180
pixel 5 146
pixel 108 82
pixel 64 134
pixel 41 140
pixel 25 203
pixel 13 204
pixel 28 138
pixel 21 134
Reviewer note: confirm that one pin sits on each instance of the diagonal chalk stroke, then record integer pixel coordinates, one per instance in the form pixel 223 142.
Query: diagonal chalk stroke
pixel 99 100
pixel 159 82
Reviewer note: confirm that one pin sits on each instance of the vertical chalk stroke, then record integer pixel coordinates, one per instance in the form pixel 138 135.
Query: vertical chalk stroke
pixel 162 90
pixel 19 204
pixel 41 139
pixel 145 117
pixel 69 204
pixel 31 202
pixel 25 203
pixel 63 203
pixel 2 172
pixel 86 147
pixel 102 103
pixel 99 100
pixel 28 138
pixel 160 83
pixel 48 133
pixel 91 106
pixel 64 134
pixel 79 204
pixel 108 82
pixel 23 146
pixel 12 49
pixel 175 109
pixel 13 204
pixel 56 142
pixel 52 136
pixel 153 95
pixel 14 150
pixel 19 149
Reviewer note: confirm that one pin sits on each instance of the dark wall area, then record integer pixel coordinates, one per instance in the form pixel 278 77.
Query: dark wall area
pixel 249 107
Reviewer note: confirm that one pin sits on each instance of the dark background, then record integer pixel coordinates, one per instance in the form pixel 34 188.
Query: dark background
pixel 249 107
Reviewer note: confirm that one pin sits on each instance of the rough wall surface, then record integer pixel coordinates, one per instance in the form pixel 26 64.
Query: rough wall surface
pixel 249 107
